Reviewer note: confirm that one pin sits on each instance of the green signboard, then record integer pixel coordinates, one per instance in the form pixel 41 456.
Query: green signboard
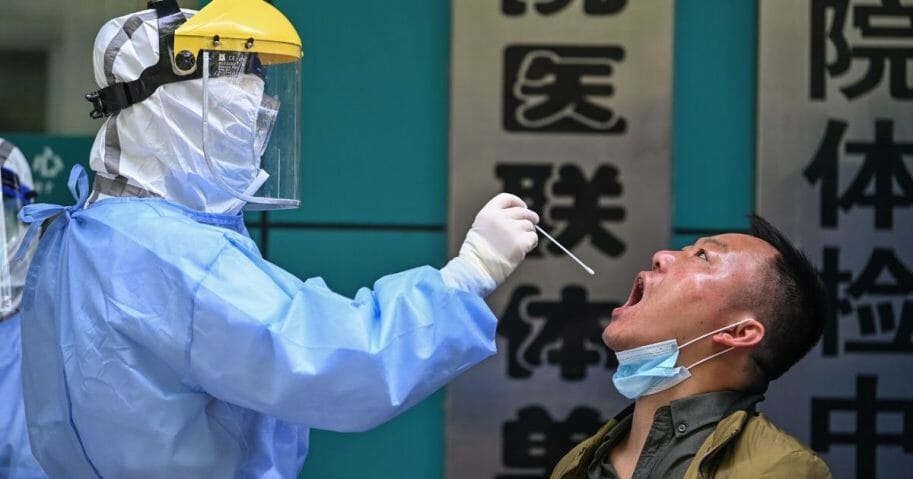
pixel 51 158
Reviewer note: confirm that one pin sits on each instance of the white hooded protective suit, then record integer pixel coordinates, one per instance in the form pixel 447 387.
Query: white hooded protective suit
pixel 159 343
pixel 16 460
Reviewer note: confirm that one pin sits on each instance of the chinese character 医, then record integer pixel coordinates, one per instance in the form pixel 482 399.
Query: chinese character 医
pixel 560 89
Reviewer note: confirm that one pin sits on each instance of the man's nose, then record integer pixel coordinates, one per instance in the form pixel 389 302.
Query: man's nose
pixel 661 260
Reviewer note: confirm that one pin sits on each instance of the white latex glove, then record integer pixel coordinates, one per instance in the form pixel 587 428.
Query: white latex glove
pixel 497 242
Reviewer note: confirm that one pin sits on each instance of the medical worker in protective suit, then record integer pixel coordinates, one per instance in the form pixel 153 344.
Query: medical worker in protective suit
pixel 16 460
pixel 158 342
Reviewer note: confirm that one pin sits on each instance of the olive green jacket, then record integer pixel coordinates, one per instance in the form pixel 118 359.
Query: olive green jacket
pixel 744 445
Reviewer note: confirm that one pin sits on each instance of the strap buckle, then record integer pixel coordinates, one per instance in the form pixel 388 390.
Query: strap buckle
pixel 98 104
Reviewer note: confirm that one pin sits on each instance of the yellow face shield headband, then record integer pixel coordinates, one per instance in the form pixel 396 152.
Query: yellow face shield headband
pixel 250 26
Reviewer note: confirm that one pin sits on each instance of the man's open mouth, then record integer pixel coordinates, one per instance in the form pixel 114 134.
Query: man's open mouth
pixel 637 294
pixel 637 291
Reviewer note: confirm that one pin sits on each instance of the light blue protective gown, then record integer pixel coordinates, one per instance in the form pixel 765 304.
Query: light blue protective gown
pixel 16 460
pixel 159 343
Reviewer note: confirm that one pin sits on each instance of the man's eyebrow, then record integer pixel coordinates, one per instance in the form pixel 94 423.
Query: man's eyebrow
pixel 723 246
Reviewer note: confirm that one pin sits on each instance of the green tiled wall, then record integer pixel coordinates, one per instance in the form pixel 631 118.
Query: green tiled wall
pixel 349 259
pixel 375 80
pixel 714 114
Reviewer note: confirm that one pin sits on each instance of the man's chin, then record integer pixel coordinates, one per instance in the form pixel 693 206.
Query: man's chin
pixel 610 336
pixel 623 330
pixel 605 337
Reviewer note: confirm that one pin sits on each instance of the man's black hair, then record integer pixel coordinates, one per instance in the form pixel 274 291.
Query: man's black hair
pixel 794 311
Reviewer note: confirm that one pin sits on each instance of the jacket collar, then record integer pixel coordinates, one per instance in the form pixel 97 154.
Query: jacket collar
pixel 728 429
pixel 733 421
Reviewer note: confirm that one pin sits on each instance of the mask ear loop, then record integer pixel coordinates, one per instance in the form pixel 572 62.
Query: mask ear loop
pixel 708 358
pixel 257 200
pixel 711 333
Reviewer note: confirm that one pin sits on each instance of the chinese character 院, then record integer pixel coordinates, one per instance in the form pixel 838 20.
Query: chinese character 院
pixel 580 206
pixel 549 88
pixel 866 406
pixel 883 275
pixel 882 182
pixel 886 31
pixel 550 7
pixel 569 332
pixel 534 442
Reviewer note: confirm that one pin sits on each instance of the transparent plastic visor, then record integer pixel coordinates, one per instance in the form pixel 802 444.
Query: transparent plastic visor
pixel 251 135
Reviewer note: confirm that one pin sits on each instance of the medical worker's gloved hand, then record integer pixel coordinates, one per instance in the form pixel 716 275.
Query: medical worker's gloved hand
pixel 499 239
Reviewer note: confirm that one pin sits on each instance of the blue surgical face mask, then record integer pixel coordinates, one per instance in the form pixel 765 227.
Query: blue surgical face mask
pixel 651 368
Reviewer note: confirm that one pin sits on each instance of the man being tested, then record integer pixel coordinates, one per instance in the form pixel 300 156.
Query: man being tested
pixel 157 341
pixel 699 339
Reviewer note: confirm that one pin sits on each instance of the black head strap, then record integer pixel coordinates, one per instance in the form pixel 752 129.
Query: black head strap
pixel 116 97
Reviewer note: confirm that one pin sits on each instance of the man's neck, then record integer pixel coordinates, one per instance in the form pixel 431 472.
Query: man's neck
pixel 642 420
pixel 625 455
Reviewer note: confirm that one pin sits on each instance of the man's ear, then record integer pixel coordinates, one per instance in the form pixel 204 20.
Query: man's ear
pixel 743 335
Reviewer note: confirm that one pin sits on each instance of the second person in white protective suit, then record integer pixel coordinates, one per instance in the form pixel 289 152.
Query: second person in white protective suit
pixel 157 340
pixel 16 460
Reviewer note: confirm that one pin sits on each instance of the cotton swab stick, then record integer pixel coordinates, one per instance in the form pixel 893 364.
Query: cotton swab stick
pixel 585 267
